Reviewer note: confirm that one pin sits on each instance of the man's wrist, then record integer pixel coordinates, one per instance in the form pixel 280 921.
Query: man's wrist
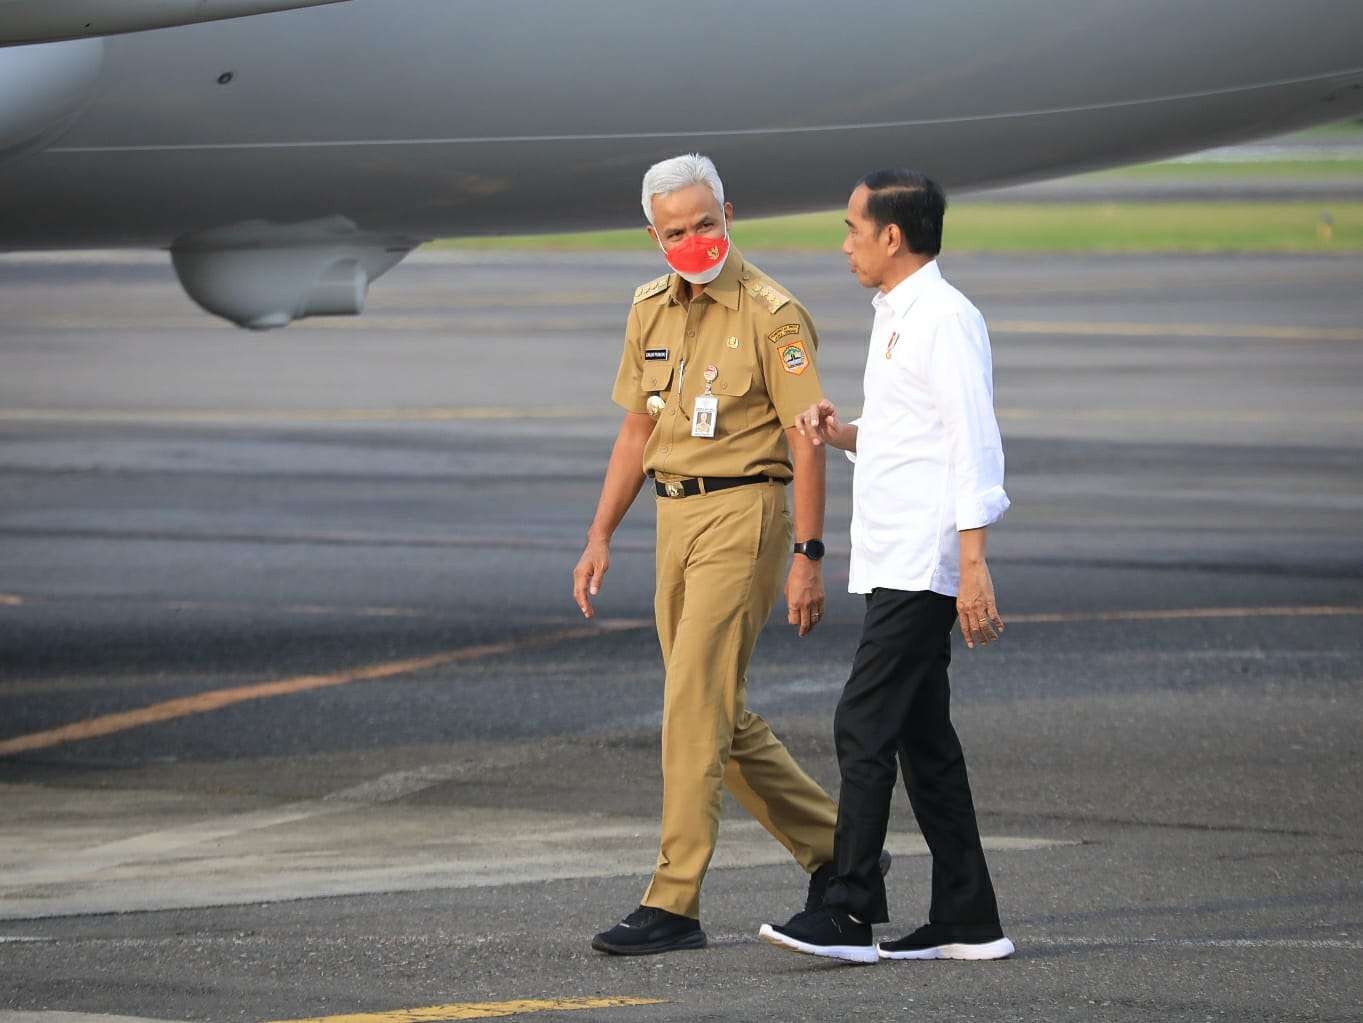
pixel 846 440
pixel 595 537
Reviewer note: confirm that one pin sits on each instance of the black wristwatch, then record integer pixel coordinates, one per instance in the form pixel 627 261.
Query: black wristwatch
pixel 811 549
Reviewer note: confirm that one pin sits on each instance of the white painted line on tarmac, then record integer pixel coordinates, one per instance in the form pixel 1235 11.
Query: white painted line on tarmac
pixel 249 417
pixel 461 848
pixel 1025 942
pixel 158 846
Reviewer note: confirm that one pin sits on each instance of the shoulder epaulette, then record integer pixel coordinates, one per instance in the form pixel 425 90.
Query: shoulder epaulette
pixel 654 286
pixel 766 294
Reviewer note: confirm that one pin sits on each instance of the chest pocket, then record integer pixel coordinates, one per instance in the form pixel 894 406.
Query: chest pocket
pixel 656 377
pixel 734 383
pixel 732 388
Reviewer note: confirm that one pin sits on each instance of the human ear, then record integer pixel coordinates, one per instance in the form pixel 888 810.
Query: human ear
pixel 894 239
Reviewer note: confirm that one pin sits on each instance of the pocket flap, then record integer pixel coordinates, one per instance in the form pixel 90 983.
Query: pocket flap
pixel 657 376
pixel 733 383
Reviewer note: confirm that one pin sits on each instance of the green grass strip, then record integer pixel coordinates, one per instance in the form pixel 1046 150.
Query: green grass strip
pixel 1037 227
pixel 1327 170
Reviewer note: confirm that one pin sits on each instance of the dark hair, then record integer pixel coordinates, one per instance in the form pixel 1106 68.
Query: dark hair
pixel 912 201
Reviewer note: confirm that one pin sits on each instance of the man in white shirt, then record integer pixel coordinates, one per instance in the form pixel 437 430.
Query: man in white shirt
pixel 928 482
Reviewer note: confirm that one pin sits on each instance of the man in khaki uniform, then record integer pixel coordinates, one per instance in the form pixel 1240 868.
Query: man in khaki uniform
pixel 718 363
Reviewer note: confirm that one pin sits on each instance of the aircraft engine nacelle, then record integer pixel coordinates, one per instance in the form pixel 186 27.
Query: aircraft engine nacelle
pixel 42 89
pixel 44 21
pixel 261 275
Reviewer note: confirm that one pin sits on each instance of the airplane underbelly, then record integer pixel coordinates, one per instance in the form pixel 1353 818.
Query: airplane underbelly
pixel 43 89
pixel 432 187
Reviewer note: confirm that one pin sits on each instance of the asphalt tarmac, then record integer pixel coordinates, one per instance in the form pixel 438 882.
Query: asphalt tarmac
pixel 298 719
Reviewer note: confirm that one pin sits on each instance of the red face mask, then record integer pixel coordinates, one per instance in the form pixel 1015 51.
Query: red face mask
pixel 699 259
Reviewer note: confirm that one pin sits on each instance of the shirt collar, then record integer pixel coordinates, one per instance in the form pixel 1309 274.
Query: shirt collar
pixel 902 295
pixel 723 289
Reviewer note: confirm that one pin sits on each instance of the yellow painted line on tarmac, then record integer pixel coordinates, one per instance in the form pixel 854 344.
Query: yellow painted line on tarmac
pixel 1189 613
pixel 480 1010
pixel 1237 331
pixel 216 699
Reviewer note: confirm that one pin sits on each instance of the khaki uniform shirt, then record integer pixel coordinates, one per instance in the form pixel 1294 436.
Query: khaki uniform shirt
pixel 761 341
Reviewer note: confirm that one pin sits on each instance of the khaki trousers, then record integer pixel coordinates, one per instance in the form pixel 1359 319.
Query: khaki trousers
pixel 720 564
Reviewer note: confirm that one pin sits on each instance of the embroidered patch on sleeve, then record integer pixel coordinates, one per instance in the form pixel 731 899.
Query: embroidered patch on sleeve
pixel 794 359
pixel 783 331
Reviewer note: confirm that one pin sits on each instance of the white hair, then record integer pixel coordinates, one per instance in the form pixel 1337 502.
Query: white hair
pixel 680 172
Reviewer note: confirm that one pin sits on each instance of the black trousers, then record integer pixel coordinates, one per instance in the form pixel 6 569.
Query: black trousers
pixel 898 701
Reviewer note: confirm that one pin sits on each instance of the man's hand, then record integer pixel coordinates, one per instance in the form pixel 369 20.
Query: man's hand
pixel 979 615
pixel 804 594
pixel 591 569
pixel 820 423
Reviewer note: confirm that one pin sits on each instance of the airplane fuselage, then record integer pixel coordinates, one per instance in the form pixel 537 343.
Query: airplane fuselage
pixel 431 117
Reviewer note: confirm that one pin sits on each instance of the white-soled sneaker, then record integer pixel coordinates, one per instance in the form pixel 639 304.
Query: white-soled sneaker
pixel 933 941
pixel 824 932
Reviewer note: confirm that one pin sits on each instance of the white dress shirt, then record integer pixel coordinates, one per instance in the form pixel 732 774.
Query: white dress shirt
pixel 929 461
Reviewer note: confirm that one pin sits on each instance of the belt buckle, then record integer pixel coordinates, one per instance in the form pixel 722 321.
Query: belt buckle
pixel 675 490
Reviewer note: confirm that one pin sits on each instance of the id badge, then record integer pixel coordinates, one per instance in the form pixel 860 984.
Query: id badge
pixel 704 416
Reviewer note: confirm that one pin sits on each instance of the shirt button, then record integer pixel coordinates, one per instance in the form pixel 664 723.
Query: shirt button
pixel 690 333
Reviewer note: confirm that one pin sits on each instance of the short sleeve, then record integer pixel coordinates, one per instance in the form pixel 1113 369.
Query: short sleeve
pixel 788 357
pixel 628 392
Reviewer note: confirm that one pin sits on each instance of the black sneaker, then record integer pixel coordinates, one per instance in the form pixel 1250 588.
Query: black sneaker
pixel 830 933
pixel 648 931
pixel 934 941
pixel 818 881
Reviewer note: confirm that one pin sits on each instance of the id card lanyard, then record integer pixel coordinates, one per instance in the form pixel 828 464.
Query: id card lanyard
pixel 705 409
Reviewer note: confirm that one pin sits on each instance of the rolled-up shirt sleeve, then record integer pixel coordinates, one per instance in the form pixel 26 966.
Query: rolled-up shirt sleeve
pixel 961 379
pixel 851 454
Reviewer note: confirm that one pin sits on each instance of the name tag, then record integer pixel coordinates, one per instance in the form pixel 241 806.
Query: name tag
pixel 655 354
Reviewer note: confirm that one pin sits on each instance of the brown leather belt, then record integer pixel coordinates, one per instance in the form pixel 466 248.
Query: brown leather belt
pixel 707 484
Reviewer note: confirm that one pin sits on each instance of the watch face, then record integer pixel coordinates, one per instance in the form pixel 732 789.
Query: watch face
pixel 813 549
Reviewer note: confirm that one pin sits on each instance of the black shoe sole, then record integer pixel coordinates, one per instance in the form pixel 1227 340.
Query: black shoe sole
pixel 686 943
